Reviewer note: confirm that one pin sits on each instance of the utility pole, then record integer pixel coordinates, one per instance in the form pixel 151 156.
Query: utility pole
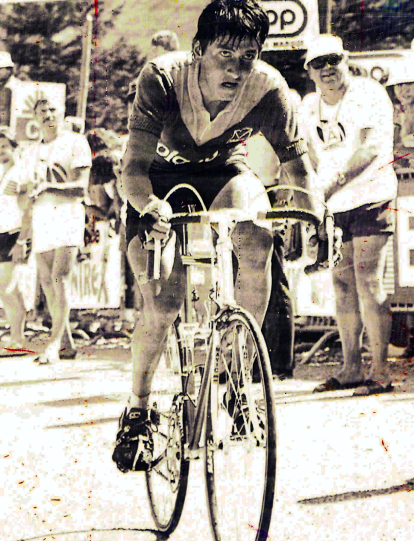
pixel 325 15
pixel 85 68
pixel 329 17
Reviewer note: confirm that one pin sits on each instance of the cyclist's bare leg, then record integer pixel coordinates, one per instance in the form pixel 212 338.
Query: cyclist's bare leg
pixel 162 300
pixel 252 243
pixel 252 246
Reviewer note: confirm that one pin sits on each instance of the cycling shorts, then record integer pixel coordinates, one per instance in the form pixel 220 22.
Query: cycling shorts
pixel 208 182
pixel 367 220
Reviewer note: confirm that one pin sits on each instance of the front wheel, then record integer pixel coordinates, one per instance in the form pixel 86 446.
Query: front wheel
pixel 240 465
pixel 167 478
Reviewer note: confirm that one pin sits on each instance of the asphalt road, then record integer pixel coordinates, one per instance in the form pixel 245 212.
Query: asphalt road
pixel 343 462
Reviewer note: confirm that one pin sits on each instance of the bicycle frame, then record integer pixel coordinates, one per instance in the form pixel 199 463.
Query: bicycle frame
pixel 224 223
pixel 224 290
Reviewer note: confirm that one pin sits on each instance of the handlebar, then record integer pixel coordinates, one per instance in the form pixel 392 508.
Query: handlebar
pixel 230 216
pixel 234 215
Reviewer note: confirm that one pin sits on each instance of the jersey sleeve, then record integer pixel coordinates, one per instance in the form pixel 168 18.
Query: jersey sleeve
pixel 280 124
pixel 82 156
pixel 151 101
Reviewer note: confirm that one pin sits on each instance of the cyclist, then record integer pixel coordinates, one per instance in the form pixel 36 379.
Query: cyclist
pixel 192 114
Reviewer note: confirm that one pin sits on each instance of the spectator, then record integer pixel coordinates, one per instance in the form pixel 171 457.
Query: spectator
pixel 13 248
pixel 402 85
pixel 7 84
pixel 56 174
pixel 349 129
pixel 163 42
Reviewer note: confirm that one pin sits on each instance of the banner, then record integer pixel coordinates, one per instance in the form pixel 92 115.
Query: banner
pixel 97 281
pixel 312 295
pixel 293 23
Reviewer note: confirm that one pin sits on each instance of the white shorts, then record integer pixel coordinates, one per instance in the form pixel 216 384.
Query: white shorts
pixel 57 224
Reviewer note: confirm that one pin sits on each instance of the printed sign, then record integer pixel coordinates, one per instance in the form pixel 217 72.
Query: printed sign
pixel 97 280
pixel 312 295
pixel 25 95
pixel 292 23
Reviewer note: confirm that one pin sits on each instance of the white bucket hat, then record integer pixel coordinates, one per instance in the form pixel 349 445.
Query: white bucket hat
pixel 6 60
pixel 323 45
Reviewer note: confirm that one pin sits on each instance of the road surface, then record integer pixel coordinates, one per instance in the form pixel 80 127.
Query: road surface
pixel 343 462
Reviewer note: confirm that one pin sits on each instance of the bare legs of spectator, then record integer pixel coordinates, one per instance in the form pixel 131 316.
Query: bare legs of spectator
pixel 13 305
pixel 361 300
pixel 55 269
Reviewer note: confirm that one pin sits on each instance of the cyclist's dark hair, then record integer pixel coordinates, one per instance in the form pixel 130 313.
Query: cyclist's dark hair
pixel 236 19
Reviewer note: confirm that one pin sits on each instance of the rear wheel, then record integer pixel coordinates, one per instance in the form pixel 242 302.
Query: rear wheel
pixel 240 463
pixel 167 477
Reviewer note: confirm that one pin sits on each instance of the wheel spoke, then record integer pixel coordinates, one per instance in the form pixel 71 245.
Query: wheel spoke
pixel 167 478
pixel 240 439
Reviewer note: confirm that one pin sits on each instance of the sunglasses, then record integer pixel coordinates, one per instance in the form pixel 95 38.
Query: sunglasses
pixel 322 61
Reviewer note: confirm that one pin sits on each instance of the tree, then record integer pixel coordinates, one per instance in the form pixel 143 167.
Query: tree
pixel 111 74
pixel 366 25
pixel 45 41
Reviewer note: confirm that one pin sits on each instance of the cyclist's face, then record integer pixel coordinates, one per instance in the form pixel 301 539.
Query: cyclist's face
pixel 224 67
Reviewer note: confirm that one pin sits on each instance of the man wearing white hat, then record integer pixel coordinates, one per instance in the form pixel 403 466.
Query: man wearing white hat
pixel 402 81
pixel 7 83
pixel 348 123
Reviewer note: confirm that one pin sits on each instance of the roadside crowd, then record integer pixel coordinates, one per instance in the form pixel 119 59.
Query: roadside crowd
pixel 353 132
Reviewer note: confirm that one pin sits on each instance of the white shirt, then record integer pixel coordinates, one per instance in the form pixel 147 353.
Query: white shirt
pixel 55 162
pixel 334 133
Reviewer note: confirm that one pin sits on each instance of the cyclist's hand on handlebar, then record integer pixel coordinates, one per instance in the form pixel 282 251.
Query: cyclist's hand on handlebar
pixel 154 222
pixel 320 238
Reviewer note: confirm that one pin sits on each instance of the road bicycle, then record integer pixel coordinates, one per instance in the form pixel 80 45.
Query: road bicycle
pixel 213 392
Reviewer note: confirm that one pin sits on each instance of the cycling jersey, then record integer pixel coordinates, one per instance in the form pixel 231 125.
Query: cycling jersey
pixel 169 105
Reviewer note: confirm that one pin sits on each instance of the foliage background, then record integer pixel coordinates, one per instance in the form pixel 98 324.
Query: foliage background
pixel 367 25
pixel 45 40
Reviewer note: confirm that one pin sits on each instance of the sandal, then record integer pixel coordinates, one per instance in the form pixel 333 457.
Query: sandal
pixel 333 384
pixel 371 387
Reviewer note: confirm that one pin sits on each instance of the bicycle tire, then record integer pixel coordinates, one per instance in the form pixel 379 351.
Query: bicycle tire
pixel 249 423
pixel 169 463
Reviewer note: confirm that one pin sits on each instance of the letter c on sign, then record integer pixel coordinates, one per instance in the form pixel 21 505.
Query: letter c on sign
pixel 32 130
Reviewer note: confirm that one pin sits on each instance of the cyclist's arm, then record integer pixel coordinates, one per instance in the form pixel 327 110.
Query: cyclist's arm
pixel 299 171
pixel 281 129
pixel 135 179
pixel 145 128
